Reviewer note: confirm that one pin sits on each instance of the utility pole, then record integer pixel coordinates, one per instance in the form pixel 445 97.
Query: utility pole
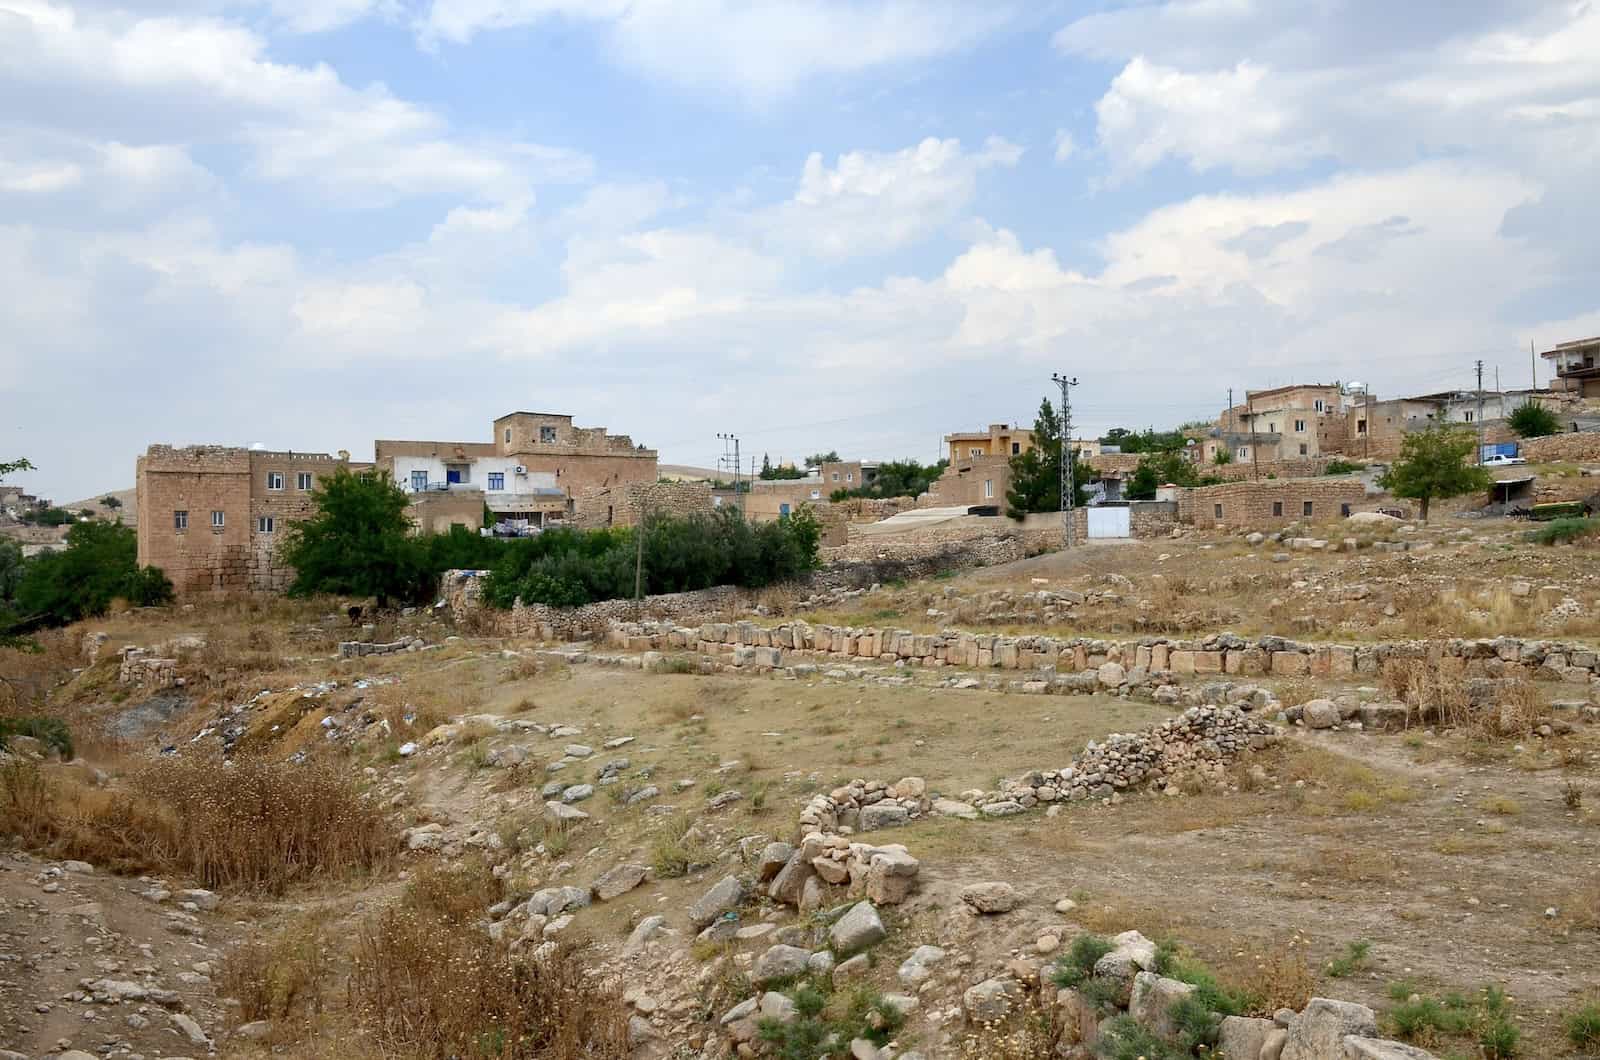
pixel 1533 366
pixel 1255 460
pixel 638 540
pixel 734 438
pixel 1480 412
pixel 1068 486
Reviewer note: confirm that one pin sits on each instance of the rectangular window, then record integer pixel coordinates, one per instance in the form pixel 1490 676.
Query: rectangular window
pixel 180 521
pixel 836 476
pixel 497 480
pixel 1318 404
pixel 975 452
pixel 1361 426
pixel 274 480
pixel 1344 510
pixel 508 435
pixel 547 434
pixel 1242 453
pixel 302 481
pixel 264 524
pixel 988 487
pixel 1217 508
pixel 1272 428
pixel 1302 448
pixel 1277 509
pixel 849 476
pixel 1467 417
pixel 216 520
pixel 1016 448
pixel 419 480
pixel 1305 509
pixel 1300 426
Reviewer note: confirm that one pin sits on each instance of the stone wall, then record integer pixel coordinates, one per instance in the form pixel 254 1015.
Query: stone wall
pixel 1563 448
pixel 144 669
pixel 355 649
pixel 1219 654
pixel 620 505
pixel 1264 504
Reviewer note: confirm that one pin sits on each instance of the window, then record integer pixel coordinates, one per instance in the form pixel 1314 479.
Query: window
pixel 1305 509
pixel 1272 428
pixel 1318 404
pixel 264 524
pixel 508 435
pixel 1344 510
pixel 419 480
pixel 836 476
pixel 274 480
pixel 1302 448
pixel 1361 426
pixel 988 487
pixel 1242 453
pixel 302 481
pixel 849 476
pixel 1466 417
pixel 547 434
pixel 1277 509
pixel 974 452
pixel 1299 426
pixel 497 480
pixel 180 521
pixel 216 520
pixel 1016 447
pixel 1217 509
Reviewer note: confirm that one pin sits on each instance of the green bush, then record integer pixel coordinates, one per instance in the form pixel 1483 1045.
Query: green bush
pixel 827 1022
pixel 99 565
pixel 1124 1038
pixel 1342 467
pixel 52 732
pixel 1583 1029
pixel 1533 421
pixel 1351 960
pixel 1077 964
pixel 1559 530
pixel 47 517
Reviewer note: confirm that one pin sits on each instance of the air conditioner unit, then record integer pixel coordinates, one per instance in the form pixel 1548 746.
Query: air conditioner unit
pixel 519 469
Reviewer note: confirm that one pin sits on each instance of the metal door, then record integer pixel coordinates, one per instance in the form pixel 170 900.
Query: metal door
pixel 1108 522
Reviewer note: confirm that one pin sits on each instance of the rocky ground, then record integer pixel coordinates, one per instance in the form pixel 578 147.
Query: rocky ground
pixel 925 850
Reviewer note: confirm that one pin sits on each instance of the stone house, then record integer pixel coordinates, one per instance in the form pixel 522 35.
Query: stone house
pixel 1270 503
pixel 1576 365
pixel 531 473
pixel 1001 439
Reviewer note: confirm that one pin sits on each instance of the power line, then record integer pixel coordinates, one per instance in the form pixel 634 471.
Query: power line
pixel 1068 488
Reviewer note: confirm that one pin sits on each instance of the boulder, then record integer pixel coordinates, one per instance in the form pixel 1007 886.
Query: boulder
pixel 564 814
pixel 855 968
pixel 952 808
pixel 917 967
pixel 990 1000
pixel 617 882
pixel 1359 1048
pixel 643 932
pixel 856 930
pixel 1243 1036
pixel 781 962
pixel 1111 675
pixel 891 874
pixel 773 857
pixel 991 897
pixel 1152 1000
pixel 725 895
pixel 778 1008
pixel 1320 714
pixel 883 815
pixel 790 882
pixel 1319 1031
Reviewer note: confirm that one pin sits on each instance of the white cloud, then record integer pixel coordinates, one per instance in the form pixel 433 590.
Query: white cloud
pixel 301 124
pixel 1065 146
pixel 762 49
pixel 874 202
pixel 38 178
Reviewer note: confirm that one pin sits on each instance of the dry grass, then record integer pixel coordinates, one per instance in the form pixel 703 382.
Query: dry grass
pixel 1276 973
pixel 282 978
pixel 250 825
pixel 1582 907
pixel 1033 1032
pixel 424 987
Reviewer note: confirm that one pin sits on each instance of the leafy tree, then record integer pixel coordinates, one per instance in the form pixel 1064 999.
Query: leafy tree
pixel 896 478
pixel 1146 441
pixel 770 472
pixel 1436 462
pixel 1159 469
pixel 1036 474
pixel 110 502
pixel 8 467
pixel 99 565
pixel 47 517
pixel 818 459
pixel 766 466
pixel 359 542
pixel 1223 456
pixel 1533 421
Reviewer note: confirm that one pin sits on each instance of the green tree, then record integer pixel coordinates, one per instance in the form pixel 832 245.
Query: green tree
pixel 818 459
pixel 8 467
pixel 1436 462
pixel 110 502
pixel 48 516
pixel 1036 474
pixel 896 478
pixel 359 542
pixel 99 565
pixel 1533 421
pixel 766 466
pixel 1159 469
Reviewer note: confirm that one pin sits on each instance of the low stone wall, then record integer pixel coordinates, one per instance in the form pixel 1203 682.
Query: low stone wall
pixel 566 623
pixel 1581 447
pixel 1218 654
pixel 600 506
pixel 355 649
pixel 142 668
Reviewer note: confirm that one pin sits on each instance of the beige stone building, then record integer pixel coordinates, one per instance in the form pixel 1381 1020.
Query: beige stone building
pixel 533 471
pixel 1001 439
pixel 1576 365
pixel 211 516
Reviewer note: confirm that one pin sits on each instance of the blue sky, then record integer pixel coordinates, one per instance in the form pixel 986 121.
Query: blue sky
pixel 850 224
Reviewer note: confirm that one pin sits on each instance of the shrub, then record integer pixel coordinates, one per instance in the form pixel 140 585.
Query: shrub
pixel 1077 964
pixel 1351 960
pixel 99 565
pixel 52 732
pixel 1342 467
pixel 1558 531
pixel 1533 421
pixel 264 825
pixel 827 1021
pixel 277 978
pixel 1124 1038
pixel 1583 1029
pixel 359 542
pixel 675 851
pixel 426 988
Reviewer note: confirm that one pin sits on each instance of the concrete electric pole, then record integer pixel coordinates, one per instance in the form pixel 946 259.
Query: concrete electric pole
pixel 734 438
pixel 1068 486
pixel 1480 412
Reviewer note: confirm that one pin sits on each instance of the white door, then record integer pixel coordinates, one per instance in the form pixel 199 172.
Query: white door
pixel 1108 522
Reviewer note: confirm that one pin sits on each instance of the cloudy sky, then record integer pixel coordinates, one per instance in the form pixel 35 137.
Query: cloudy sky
pixel 851 224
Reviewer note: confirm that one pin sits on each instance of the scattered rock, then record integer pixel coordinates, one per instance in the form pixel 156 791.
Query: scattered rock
pixel 857 929
pixel 991 897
